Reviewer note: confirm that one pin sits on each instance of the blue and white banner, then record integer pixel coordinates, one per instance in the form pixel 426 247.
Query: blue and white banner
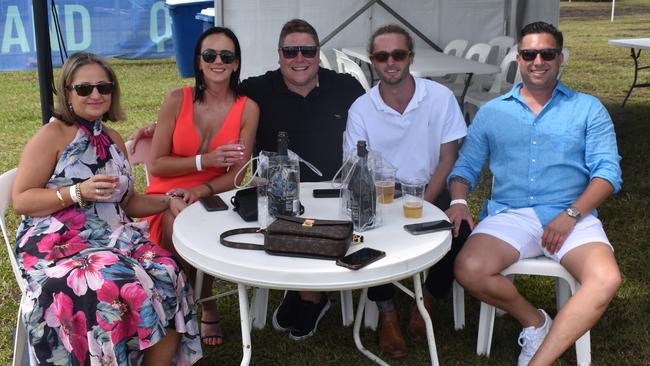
pixel 132 29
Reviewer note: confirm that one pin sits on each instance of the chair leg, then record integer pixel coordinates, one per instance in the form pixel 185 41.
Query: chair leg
pixel 259 307
pixel 583 350
pixel 458 295
pixel 20 341
pixel 562 292
pixel 371 315
pixel 485 328
pixel 347 307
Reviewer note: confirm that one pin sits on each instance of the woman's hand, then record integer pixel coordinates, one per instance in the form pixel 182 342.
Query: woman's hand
pixel 176 205
pixel 188 195
pixel 223 156
pixel 146 131
pixel 99 187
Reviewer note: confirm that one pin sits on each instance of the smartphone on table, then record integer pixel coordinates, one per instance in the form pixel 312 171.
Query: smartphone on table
pixel 360 258
pixel 327 193
pixel 428 227
pixel 213 203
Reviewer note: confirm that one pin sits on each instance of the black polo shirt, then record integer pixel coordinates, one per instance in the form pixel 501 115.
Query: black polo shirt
pixel 315 123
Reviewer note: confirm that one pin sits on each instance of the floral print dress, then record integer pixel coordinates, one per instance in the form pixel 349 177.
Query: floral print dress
pixel 98 292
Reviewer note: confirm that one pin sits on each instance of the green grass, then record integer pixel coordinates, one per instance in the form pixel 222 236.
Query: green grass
pixel 620 338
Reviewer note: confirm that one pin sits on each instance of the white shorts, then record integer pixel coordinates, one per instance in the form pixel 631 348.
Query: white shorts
pixel 523 231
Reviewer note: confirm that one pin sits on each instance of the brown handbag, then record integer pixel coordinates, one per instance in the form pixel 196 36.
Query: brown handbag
pixel 299 237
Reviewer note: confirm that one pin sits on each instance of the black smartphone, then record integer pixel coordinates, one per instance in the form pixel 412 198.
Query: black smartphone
pixel 428 227
pixel 360 258
pixel 213 203
pixel 327 193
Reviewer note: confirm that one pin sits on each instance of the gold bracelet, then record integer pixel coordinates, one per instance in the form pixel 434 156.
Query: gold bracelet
pixel 58 195
pixel 82 203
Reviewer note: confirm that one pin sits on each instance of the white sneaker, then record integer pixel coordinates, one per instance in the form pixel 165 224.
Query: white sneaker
pixel 531 338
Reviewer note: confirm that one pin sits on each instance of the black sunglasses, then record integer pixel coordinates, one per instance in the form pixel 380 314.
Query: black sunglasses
pixel 210 56
pixel 548 54
pixel 397 55
pixel 292 51
pixel 85 89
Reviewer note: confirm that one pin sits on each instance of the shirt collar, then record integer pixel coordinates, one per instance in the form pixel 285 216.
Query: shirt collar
pixel 419 94
pixel 515 92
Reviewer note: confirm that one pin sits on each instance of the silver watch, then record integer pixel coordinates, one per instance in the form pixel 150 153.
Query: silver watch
pixel 573 212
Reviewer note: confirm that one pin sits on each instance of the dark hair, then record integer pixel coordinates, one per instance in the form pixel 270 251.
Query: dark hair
pixel 390 28
pixel 199 79
pixel 541 27
pixel 62 111
pixel 297 26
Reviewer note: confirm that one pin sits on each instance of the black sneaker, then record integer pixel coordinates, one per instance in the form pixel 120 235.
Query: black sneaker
pixel 308 317
pixel 285 314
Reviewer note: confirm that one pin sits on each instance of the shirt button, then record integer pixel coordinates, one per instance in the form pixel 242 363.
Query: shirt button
pixel 534 160
pixel 532 198
pixel 532 179
pixel 534 142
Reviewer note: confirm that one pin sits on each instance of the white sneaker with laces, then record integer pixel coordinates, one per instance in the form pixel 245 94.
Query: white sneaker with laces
pixel 531 338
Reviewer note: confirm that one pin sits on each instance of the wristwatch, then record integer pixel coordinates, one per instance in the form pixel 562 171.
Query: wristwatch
pixel 573 212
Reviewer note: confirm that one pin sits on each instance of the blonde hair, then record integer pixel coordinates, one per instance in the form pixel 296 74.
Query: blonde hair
pixel 63 86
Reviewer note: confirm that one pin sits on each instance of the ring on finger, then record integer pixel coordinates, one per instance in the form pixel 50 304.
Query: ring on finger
pixel 97 190
pixel 225 159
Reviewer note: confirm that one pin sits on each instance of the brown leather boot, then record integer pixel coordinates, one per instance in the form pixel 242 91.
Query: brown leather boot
pixel 417 329
pixel 391 341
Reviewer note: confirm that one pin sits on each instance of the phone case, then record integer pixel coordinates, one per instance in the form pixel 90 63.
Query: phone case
pixel 213 203
pixel 428 227
pixel 377 255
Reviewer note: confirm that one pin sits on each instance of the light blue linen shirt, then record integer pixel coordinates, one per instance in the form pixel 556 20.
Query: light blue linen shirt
pixel 546 161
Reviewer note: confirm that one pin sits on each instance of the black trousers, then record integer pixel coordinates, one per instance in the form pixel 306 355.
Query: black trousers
pixel 441 275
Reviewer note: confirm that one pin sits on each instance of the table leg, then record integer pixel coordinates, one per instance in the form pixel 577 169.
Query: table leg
pixel 635 57
pixel 465 88
pixel 198 284
pixel 357 327
pixel 419 300
pixel 244 320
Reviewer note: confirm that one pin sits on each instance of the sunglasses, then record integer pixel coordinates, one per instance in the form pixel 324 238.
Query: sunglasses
pixel 210 56
pixel 85 89
pixel 548 54
pixel 397 55
pixel 292 51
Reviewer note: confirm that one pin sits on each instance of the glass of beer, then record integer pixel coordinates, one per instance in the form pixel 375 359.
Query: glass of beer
pixel 413 194
pixel 385 184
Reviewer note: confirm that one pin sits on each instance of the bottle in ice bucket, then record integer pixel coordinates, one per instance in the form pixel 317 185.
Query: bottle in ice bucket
pixel 362 199
pixel 284 181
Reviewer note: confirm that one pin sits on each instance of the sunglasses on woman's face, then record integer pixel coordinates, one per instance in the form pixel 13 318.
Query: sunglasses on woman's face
pixel 292 51
pixel 85 89
pixel 548 54
pixel 397 55
pixel 210 56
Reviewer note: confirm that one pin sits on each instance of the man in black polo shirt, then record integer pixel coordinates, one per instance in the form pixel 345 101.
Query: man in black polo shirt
pixel 311 104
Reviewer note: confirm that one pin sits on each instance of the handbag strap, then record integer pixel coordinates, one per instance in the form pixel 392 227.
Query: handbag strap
pixel 240 245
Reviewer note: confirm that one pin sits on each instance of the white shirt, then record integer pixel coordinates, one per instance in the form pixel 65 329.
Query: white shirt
pixel 409 141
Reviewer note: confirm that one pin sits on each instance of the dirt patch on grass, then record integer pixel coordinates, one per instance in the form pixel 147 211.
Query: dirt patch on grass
pixel 604 12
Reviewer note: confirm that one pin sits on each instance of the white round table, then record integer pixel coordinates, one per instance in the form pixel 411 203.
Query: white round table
pixel 196 239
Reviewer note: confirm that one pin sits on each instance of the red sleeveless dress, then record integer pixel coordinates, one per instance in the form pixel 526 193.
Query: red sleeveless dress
pixel 185 142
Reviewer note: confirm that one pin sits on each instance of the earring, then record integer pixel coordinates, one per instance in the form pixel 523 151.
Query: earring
pixel 70 107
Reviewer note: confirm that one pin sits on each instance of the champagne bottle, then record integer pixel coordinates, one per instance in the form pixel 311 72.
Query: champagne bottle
pixel 284 181
pixel 362 191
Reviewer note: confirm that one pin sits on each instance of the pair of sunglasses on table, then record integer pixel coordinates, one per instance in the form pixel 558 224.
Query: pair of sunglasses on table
pixel 548 54
pixel 209 56
pixel 85 89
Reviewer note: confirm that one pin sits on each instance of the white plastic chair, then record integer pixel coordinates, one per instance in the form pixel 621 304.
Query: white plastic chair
pixel 565 286
pixel 566 55
pixel 20 341
pixel 479 53
pixel 346 65
pixel 503 44
pixel 476 98
pixel 456 48
pixel 142 154
pixel 324 62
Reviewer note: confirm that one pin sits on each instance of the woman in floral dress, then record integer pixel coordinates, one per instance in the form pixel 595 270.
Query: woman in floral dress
pixel 98 292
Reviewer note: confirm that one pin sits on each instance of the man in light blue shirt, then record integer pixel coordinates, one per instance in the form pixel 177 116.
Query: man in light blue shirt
pixel 553 155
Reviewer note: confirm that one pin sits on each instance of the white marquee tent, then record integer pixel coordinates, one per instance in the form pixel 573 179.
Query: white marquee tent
pixel 257 23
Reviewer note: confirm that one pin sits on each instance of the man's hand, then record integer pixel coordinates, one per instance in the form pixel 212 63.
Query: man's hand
pixel 146 131
pixel 557 231
pixel 457 214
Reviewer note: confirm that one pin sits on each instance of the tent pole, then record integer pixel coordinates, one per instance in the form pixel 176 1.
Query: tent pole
pixel 44 58
pixel 613 6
